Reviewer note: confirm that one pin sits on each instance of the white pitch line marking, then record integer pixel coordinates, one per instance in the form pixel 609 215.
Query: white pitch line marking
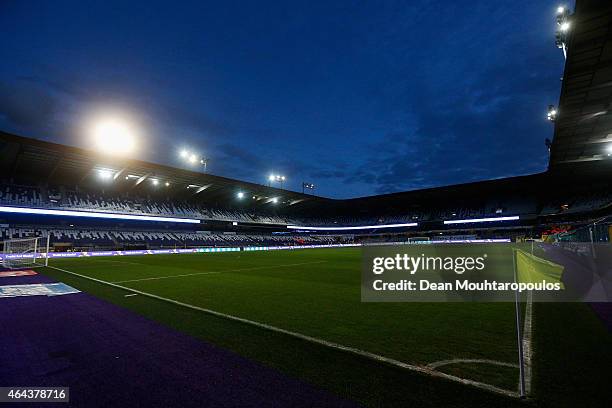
pixel 527 333
pixel 118 262
pixel 131 294
pixel 382 359
pixel 167 277
pixel 441 363
pixel 216 272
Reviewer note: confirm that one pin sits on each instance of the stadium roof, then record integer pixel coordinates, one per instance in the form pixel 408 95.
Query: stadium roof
pixel 583 128
pixel 43 162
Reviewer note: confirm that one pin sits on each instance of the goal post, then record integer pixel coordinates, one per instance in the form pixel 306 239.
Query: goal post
pixel 25 252
pixel 419 240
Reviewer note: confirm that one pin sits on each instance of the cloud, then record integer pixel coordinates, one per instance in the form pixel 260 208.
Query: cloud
pixel 399 96
pixel 24 107
pixel 488 129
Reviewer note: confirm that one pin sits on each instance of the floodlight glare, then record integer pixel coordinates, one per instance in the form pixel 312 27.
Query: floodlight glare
pixel 271 177
pixel 240 195
pixel 565 26
pixel 193 158
pixel 609 149
pixel 155 182
pixel 105 174
pixel 167 184
pixel 184 154
pixel 113 136
pixel 552 113
pixel 560 10
pixel 275 200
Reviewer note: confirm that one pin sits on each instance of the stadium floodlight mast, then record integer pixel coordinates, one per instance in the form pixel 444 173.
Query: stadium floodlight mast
pixel 309 186
pixel 192 158
pixel 552 113
pixel 276 177
pixel 563 27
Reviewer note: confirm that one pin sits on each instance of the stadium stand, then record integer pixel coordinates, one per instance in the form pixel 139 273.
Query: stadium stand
pixel 29 196
pixel 16 195
pixel 63 239
pixel 42 175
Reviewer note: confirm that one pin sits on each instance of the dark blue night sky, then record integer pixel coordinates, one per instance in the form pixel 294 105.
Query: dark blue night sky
pixel 359 98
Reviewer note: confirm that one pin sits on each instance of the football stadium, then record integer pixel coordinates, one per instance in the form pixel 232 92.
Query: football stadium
pixel 125 282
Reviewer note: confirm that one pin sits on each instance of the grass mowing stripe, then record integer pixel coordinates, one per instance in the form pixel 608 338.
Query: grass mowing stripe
pixel 255 268
pixel 362 353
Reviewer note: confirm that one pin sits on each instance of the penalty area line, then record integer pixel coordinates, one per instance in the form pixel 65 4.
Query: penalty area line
pixel 371 356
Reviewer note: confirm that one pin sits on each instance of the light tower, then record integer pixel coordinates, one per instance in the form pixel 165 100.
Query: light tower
pixel 563 27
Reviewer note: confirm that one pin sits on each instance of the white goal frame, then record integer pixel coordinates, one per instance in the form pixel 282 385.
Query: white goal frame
pixel 26 252
pixel 419 240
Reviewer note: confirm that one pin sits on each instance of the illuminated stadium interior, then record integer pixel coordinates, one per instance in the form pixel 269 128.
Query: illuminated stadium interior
pixel 174 286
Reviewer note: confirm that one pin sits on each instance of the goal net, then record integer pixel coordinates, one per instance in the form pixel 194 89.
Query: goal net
pixel 419 240
pixel 25 253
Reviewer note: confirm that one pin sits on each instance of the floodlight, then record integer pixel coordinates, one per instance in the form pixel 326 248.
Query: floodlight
pixel 560 10
pixel 564 26
pixel 184 154
pixel 609 149
pixel 155 182
pixel 275 200
pixel 113 136
pixel 240 195
pixel 192 158
pixel 552 113
pixel 283 178
pixel 105 174
pixel 167 184
pixel 271 178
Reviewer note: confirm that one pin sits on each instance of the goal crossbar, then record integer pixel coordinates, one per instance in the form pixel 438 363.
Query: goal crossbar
pixel 25 252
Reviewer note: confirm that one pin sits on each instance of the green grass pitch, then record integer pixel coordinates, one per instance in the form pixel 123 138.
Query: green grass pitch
pixel 316 292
